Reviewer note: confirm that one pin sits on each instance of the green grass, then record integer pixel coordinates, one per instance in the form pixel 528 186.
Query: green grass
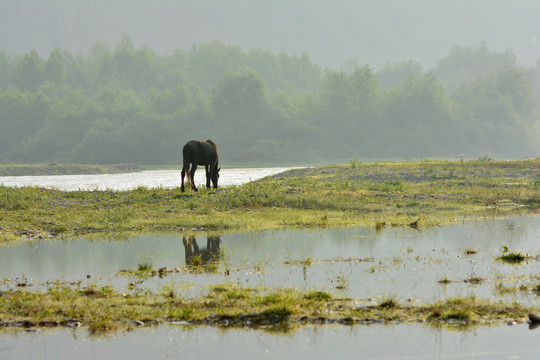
pixel 512 258
pixel 104 309
pixel 144 266
pixel 368 194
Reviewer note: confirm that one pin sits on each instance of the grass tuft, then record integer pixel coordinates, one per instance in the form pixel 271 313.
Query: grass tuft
pixel 389 303
pixel 512 258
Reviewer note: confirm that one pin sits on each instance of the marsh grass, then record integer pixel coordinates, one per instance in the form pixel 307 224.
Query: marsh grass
pixel 474 280
pixel 512 257
pixel 445 281
pixel 103 309
pixel 501 289
pixel 389 302
pixel 144 266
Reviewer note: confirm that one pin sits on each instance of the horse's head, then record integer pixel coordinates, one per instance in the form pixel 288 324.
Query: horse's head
pixel 215 177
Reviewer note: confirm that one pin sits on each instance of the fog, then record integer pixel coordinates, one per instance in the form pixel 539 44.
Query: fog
pixel 281 82
pixel 331 32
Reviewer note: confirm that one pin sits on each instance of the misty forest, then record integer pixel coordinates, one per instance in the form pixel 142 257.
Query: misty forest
pixel 127 103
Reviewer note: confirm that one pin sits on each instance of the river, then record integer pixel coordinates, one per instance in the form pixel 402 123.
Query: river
pixel 166 179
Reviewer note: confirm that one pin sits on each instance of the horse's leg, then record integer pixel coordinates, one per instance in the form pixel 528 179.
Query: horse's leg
pixel 208 175
pixel 212 243
pixel 183 174
pixel 213 175
pixel 187 247
pixel 188 180
pixel 192 176
pixel 196 250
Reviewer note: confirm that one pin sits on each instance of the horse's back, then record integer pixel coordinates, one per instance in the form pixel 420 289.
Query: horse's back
pixel 200 151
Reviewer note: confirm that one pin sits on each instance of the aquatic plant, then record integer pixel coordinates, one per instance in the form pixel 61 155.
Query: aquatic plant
pixel 388 302
pixel 144 266
pixel 445 281
pixel 511 257
pixel 474 280
pixel 341 281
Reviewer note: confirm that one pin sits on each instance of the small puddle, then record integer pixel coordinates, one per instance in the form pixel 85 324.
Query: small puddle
pixel 355 262
pixel 309 342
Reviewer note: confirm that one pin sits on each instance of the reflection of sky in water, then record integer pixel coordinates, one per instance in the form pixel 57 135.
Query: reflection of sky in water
pixel 405 263
pixel 309 342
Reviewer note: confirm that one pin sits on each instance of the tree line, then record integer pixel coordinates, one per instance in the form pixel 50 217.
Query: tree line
pixel 133 105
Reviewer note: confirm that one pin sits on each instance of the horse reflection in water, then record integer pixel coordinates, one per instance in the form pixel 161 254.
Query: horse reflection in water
pixel 196 256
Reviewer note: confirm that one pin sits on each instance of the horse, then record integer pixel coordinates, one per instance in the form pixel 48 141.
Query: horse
pixel 199 152
pixel 197 256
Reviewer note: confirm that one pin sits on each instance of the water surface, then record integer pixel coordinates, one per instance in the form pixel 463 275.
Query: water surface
pixel 309 342
pixel 355 262
pixel 127 181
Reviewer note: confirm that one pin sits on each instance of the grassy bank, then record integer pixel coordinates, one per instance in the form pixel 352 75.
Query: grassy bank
pixel 228 305
pixel 418 194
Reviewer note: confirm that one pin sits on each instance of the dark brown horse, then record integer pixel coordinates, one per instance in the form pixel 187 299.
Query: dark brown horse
pixel 199 152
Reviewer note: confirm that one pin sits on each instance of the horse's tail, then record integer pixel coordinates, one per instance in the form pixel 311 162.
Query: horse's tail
pixel 186 165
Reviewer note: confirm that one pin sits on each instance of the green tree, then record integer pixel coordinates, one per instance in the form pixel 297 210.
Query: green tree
pixel 21 114
pixel 418 118
pixel 63 128
pixel 532 76
pixel 134 69
pixel 499 114
pixel 5 70
pixel 55 66
pixel 465 63
pixel 209 62
pixel 29 71
pixel 393 75
pixel 99 144
pixel 239 97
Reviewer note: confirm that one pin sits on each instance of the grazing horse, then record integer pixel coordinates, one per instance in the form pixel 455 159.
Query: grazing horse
pixel 196 256
pixel 199 152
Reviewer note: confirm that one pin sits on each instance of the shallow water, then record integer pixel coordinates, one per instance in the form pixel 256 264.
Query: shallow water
pixel 309 342
pixel 166 179
pixel 355 262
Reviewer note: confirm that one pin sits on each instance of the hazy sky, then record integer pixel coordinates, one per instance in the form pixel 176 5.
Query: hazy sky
pixel 331 32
